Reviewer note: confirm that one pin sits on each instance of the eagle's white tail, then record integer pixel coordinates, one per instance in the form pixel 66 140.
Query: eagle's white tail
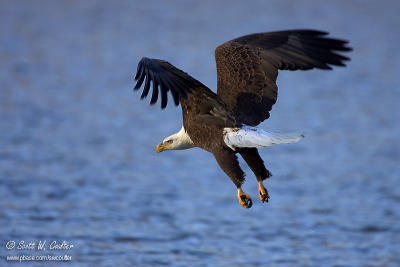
pixel 247 136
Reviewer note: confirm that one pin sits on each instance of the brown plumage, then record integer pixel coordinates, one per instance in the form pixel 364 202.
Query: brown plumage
pixel 247 69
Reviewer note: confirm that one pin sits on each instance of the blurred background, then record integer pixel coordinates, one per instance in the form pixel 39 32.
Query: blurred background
pixel 77 146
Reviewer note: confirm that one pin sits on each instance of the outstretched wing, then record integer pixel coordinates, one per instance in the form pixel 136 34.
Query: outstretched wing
pixel 247 67
pixel 165 78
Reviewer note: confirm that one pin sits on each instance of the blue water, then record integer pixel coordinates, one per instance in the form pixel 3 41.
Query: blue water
pixel 77 146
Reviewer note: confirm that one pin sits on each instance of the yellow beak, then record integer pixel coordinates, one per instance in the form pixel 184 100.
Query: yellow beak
pixel 160 148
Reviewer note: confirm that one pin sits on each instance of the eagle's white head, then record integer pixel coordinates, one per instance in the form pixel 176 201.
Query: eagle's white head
pixel 178 141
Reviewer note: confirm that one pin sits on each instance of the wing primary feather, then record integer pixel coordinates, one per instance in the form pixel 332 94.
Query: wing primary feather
pixel 174 88
pixel 325 56
pixel 164 97
pixel 184 87
pixel 146 86
pixel 327 43
pixel 176 97
pixel 308 32
pixel 138 71
pixel 179 86
pixel 154 95
pixel 140 81
pixel 169 82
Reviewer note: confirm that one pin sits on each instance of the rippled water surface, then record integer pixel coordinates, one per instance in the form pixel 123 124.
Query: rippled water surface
pixel 77 146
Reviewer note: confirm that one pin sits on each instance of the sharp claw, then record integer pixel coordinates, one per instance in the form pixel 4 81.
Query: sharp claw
pixel 263 193
pixel 244 199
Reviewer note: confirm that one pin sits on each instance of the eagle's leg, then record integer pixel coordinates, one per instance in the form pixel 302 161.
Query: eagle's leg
pixel 256 164
pixel 228 162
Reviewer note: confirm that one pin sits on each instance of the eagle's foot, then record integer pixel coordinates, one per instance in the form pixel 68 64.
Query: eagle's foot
pixel 264 196
pixel 244 199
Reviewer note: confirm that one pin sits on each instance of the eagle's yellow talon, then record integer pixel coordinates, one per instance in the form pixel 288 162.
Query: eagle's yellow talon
pixel 264 196
pixel 244 199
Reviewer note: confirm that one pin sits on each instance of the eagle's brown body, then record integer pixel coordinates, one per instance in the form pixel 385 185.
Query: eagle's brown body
pixel 247 69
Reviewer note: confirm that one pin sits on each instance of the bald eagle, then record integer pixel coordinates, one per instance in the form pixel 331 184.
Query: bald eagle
pixel 224 123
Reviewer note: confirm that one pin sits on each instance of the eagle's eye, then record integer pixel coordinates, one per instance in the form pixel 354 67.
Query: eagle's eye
pixel 168 142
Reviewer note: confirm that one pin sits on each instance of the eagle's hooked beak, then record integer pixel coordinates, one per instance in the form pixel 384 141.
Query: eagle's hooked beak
pixel 160 147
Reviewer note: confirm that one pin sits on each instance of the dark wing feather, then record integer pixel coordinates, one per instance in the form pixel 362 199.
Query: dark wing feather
pixel 165 78
pixel 248 66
